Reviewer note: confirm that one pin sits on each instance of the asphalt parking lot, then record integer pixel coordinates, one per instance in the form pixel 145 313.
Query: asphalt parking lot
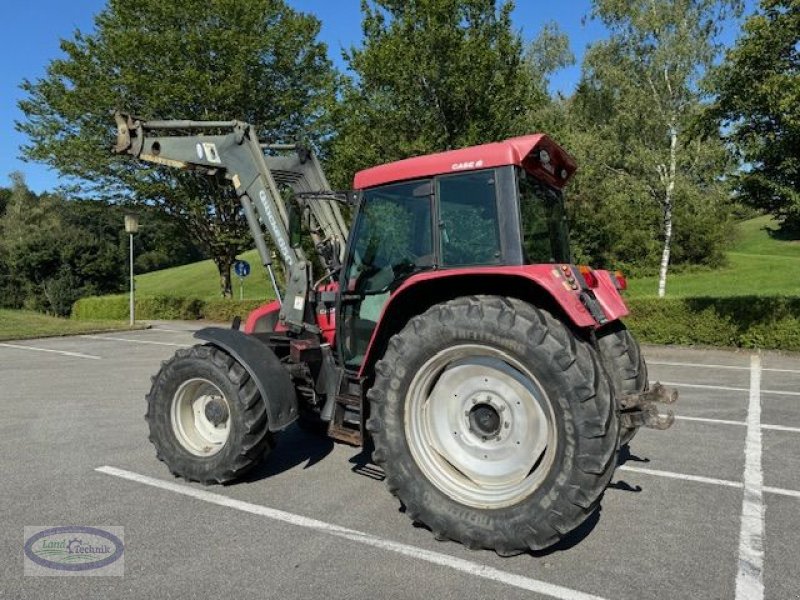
pixel 707 509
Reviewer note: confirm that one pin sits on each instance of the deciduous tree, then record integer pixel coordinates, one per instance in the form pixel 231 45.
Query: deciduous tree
pixel 254 60
pixel 758 108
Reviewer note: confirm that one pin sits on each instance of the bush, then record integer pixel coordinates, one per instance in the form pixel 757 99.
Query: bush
pixel 770 322
pixel 226 309
pixel 147 307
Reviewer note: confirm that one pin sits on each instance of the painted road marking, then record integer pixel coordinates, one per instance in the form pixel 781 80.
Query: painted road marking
pixel 750 576
pixel 62 352
pixel 711 480
pixel 705 366
pixel 742 423
pixel 724 388
pixel 133 341
pixel 436 558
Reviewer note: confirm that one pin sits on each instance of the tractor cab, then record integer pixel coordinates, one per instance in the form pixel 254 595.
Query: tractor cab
pixel 494 205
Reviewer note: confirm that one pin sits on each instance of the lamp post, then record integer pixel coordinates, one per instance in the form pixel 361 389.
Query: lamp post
pixel 131 227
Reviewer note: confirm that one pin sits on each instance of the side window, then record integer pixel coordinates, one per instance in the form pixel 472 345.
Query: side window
pixel 393 237
pixel 468 214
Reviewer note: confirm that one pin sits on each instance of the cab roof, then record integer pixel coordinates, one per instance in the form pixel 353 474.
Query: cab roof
pixel 523 151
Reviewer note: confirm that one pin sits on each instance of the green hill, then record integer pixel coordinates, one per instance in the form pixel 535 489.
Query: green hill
pixel 758 264
pixel 201 280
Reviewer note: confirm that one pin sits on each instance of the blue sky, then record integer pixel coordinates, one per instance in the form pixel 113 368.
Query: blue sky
pixel 30 33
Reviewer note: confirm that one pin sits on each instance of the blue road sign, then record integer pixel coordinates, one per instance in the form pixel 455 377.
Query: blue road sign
pixel 241 268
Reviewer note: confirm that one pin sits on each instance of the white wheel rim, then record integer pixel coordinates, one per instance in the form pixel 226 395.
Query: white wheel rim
pixel 200 417
pixel 480 426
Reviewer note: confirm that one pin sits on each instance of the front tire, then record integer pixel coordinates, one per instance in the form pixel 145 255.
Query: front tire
pixel 207 419
pixel 495 426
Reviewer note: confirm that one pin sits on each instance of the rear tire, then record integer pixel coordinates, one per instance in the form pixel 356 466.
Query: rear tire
pixel 625 364
pixel 547 373
pixel 207 419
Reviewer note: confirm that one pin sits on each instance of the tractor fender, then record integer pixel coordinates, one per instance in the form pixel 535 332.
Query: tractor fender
pixel 543 285
pixel 271 377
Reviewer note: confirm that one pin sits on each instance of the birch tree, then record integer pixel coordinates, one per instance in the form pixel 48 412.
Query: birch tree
pixel 648 72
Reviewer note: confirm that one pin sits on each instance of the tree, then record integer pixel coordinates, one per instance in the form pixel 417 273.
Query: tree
pixel 52 251
pixel 758 108
pixel 432 75
pixel 255 60
pixel 645 78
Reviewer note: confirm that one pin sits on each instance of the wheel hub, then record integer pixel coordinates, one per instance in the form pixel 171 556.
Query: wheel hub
pixel 216 411
pixel 484 420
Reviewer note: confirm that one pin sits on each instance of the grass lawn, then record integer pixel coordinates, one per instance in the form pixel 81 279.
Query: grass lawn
pixel 24 324
pixel 201 280
pixel 758 264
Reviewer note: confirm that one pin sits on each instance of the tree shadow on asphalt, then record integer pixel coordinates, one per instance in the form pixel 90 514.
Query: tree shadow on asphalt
pixel 293 447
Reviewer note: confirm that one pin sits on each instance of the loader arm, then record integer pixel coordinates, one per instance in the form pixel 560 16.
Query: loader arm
pixel 233 148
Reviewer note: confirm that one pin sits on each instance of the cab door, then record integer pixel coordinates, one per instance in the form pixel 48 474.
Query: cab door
pixel 392 239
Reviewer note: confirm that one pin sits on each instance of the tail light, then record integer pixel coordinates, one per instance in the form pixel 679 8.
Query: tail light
pixel 588 276
pixel 622 283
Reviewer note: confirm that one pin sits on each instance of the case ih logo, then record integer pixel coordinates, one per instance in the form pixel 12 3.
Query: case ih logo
pixel 470 164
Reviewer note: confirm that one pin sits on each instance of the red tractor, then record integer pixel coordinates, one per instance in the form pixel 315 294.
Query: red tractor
pixel 449 326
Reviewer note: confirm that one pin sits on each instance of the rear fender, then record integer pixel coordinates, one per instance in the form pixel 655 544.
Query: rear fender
pixel 543 285
pixel 269 375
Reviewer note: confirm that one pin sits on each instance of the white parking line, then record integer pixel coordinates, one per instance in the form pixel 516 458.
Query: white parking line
pixel 436 558
pixel 750 577
pixel 62 352
pixel 681 476
pixel 715 421
pixel 705 366
pixel 725 388
pixel 711 480
pixel 742 423
pixel 133 341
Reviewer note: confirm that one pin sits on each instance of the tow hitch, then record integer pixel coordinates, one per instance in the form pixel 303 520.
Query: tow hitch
pixel 641 410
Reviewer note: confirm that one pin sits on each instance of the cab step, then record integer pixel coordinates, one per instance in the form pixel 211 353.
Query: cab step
pixel 346 423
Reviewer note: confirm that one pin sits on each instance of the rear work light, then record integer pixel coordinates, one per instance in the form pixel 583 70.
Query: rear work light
pixel 622 283
pixel 589 276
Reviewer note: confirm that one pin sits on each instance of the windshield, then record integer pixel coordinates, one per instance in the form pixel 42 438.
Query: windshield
pixel 545 238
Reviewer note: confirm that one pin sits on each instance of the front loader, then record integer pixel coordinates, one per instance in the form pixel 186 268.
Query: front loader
pixel 449 325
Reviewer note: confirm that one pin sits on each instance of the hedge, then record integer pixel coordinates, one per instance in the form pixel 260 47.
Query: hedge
pixel 770 322
pixel 225 309
pixel 147 307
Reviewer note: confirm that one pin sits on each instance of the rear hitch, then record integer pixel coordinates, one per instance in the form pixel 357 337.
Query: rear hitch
pixel 640 410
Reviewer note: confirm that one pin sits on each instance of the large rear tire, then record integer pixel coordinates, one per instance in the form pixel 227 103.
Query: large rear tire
pixel 207 419
pixel 495 426
pixel 625 364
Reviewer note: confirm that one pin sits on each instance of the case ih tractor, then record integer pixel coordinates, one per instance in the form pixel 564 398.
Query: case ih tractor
pixel 449 326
